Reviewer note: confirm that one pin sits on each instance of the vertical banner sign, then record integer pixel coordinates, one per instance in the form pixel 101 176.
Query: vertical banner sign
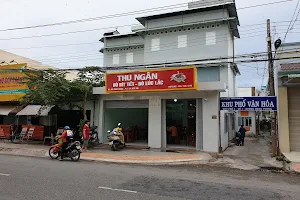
pixel 152 80
pixel 249 103
pixel 12 87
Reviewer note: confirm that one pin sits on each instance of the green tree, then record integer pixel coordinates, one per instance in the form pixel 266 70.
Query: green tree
pixel 46 87
pixel 50 87
pixel 88 78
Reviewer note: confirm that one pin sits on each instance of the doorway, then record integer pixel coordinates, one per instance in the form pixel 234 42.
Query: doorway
pixel 181 122
pixel 133 116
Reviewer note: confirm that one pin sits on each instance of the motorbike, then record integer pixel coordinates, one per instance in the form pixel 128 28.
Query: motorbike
pixel 73 150
pixel 116 138
pixel 94 140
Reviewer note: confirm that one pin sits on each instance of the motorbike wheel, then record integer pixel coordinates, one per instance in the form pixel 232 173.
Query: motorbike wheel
pixel 53 154
pixel 75 155
pixel 115 147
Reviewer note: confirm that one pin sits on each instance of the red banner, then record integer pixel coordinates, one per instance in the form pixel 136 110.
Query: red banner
pixel 152 80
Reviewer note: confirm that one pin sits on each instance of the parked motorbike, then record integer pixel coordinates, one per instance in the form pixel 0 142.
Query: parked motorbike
pixel 73 151
pixel 116 138
pixel 94 140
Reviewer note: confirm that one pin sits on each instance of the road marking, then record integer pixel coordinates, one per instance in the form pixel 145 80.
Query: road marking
pixel 4 174
pixel 120 190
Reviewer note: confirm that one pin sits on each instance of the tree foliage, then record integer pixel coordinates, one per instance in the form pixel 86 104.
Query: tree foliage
pixel 47 87
pixel 50 87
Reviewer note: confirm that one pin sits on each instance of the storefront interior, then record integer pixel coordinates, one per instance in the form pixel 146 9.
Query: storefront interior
pixel 134 122
pixel 181 114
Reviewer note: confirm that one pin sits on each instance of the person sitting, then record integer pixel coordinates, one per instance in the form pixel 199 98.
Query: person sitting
pixel 64 138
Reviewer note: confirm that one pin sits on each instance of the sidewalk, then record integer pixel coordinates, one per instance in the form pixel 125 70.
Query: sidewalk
pixel 255 154
pixel 104 154
pixel 293 163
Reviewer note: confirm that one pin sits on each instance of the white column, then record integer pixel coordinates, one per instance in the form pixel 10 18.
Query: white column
pixel 155 124
pixel 211 122
pixel 199 124
pixel 163 125
pixel 100 113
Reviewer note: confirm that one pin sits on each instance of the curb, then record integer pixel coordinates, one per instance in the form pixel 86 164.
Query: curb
pixel 147 162
pixel 41 153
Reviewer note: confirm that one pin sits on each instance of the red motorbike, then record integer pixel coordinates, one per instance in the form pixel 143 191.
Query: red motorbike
pixel 73 151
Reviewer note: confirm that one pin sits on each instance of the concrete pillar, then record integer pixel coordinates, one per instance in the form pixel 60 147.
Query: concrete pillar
pixel 155 123
pixel 163 125
pixel 283 120
pixel 100 112
pixel 199 124
pixel 211 122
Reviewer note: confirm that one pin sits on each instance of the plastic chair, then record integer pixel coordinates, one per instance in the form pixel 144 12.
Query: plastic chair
pixel 29 133
pixel 49 138
pixel 2 134
pixel 22 135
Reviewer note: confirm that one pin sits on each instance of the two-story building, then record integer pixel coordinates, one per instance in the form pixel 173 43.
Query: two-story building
pixel 287 87
pixel 171 71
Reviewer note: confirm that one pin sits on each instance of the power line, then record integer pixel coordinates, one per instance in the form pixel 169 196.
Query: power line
pixel 171 44
pixel 166 65
pixel 91 57
pixel 71 32
pixel 295 20
pixel 70 59
pixel 291 21
pixel 129 13
pixel 101 17
pixel 265 4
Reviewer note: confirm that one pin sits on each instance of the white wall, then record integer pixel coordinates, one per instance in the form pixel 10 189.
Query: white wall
pixel 244 92
pixel 154 123
pixel 210 125
pixel 156 130
pixel 253 116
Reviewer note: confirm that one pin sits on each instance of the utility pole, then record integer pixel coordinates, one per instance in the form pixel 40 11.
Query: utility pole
pixel 275 141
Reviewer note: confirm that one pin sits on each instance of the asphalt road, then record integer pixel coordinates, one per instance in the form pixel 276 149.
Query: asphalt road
pixel 24 178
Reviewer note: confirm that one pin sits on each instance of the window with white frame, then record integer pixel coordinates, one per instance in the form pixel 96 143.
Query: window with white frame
pixel 226 123
pixel 155 44
pixel 116 59
pixel 129 57
pixel 246 121
pixel 211 38
pixel 182 41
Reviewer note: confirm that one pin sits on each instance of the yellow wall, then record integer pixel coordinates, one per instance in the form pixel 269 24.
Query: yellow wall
pixel 283 120
pixel 11 87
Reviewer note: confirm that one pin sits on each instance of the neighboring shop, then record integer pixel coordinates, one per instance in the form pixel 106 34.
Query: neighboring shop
pixel 45 119
pixel 289 107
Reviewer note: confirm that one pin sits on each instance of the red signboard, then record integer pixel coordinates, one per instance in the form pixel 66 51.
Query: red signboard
pixel 152 80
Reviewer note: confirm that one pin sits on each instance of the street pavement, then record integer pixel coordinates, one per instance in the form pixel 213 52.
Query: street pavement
pixel 29 178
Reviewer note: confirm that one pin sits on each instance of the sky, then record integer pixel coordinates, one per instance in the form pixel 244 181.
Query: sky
pixel 82 49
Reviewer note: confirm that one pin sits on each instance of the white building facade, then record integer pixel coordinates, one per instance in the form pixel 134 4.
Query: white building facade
pixel 198 44
pixel 246 118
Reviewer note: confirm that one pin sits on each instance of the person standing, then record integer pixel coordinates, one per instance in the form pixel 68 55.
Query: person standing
pixel 242 132
pixel 173 131
pixel 86 135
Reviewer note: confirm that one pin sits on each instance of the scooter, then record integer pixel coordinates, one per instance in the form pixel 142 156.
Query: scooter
pixel 116 138
pixel 73 150
pixel 94 140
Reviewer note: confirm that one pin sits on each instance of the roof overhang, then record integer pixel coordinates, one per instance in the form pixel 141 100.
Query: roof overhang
pixel 35 110
pixel 230 5
pixel 288 73
pixel 9 109
pixel 119 36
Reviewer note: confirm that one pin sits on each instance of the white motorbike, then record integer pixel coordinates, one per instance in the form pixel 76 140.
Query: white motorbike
pixel 116 138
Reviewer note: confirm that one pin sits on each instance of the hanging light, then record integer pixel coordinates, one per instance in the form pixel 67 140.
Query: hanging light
pixel 175 100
